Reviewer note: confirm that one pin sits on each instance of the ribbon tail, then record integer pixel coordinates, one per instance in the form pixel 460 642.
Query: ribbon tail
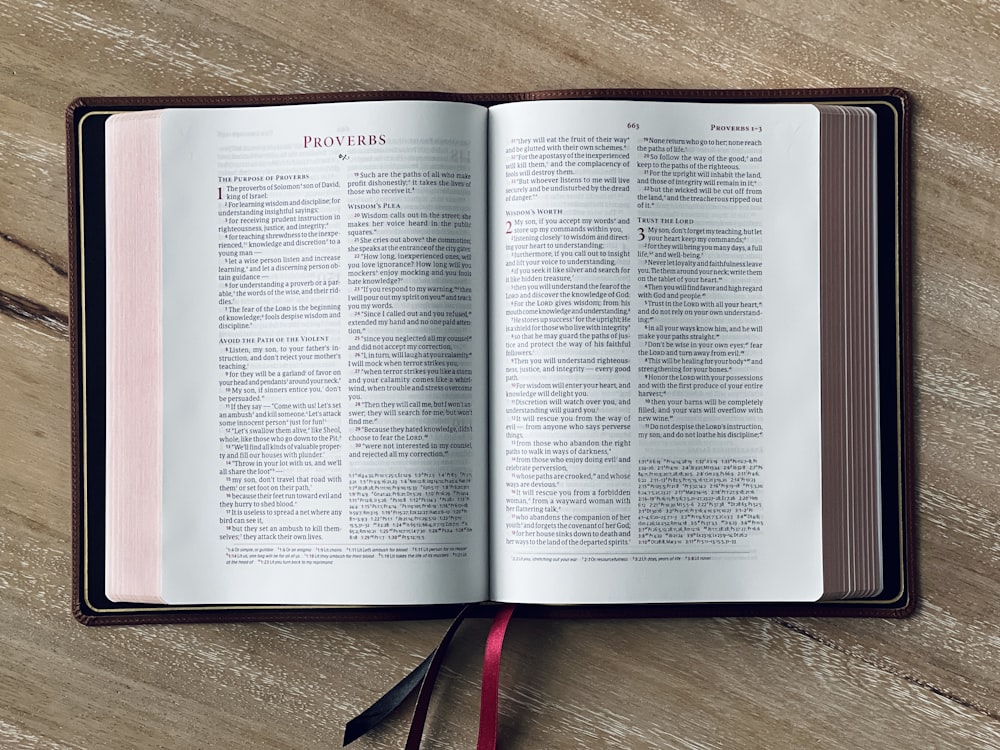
pixel 489 699
pixel 427 685
pixel 376 713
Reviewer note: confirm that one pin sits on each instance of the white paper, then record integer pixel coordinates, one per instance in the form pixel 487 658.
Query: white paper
pixel 655 340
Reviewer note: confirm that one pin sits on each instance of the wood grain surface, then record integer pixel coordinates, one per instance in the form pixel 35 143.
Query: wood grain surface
pixel 930 681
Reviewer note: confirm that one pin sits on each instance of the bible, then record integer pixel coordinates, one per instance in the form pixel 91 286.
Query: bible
pixel 618 351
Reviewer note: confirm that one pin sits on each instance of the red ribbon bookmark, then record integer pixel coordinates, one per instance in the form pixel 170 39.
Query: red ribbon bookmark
pixel 489 696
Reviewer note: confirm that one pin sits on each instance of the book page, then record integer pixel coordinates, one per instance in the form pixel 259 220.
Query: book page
pixel 655 337
pixel 323 354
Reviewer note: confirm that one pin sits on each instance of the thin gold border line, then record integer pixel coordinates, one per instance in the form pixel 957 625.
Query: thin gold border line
pixel 81 218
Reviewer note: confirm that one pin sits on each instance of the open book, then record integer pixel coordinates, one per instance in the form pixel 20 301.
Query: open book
pixel 568 351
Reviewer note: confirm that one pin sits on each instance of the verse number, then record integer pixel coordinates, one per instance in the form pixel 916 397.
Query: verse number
pixel 632 126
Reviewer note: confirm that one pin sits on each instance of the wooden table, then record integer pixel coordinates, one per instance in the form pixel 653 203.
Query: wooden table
pixel 929 681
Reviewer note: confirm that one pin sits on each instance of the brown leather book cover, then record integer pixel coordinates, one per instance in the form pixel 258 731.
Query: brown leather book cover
pixel 86 201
